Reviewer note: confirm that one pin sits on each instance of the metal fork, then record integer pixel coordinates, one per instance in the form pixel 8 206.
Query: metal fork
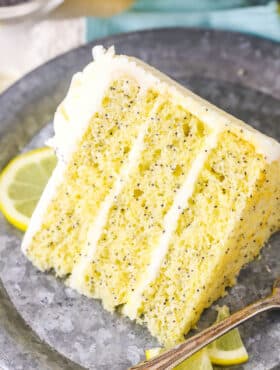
pixel 169 359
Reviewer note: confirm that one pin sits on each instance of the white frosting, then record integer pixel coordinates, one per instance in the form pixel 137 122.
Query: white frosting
pixel 76 280
pixel 170 223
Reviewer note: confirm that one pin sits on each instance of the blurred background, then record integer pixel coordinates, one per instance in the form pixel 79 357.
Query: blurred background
pixel 34 31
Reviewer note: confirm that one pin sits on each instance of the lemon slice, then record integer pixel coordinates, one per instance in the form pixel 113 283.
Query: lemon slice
pixel 22 183
pixel 153 352
pixel 229 349
pixel 198 361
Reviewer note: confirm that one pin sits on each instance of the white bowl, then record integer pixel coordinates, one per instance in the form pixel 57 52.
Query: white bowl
pixel 27 8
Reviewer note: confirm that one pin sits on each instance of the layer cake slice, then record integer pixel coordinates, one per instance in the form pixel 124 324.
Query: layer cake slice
pixel 158 199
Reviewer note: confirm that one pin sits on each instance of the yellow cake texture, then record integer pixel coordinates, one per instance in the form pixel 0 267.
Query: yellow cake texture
pixel 158 199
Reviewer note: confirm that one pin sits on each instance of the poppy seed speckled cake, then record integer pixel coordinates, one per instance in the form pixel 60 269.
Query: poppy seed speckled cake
pixel 158 198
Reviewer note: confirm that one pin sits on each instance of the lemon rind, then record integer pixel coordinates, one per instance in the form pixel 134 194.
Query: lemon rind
pixel 233 357
pixel 6 177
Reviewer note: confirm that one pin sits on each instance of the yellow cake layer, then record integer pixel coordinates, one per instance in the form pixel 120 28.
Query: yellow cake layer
pixel 89 176
pixel 159 198
pixel 196 269
pixel 135 221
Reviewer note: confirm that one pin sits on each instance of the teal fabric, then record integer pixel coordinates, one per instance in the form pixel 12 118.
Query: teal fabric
pixel 191 5
pixel 255 17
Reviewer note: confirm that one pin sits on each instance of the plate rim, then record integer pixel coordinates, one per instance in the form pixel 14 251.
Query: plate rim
pixel 255 38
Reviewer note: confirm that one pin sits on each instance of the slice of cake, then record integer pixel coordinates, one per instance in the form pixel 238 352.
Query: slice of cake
pixel 158 199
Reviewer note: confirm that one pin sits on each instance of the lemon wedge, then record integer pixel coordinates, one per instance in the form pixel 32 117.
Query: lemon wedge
pixel 198 361
pixel 153 352
pixel 22 183
pixel 229 349
pixel 226 351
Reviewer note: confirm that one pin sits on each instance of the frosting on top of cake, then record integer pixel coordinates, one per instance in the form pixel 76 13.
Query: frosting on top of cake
pixel 83 100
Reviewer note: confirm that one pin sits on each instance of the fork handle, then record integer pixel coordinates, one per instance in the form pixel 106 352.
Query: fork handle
pixel 169 359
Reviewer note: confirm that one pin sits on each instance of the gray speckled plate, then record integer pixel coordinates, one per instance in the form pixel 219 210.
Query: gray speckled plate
pixel 45 325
